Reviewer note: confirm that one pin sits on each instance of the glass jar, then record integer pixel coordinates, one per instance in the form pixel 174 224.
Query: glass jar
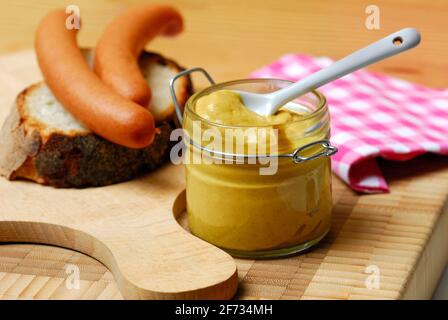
pixel 233 205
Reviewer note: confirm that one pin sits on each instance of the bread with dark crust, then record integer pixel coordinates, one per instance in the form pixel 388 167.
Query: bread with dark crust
pixel 42 142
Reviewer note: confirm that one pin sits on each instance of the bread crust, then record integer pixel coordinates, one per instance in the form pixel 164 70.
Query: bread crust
pixel 79 159
pixel 16 144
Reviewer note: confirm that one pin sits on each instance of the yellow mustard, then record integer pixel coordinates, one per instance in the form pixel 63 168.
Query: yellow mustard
pixel 226 107
pixel 238 209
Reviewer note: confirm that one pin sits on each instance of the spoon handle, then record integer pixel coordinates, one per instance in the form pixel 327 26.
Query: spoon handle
pixel 392 44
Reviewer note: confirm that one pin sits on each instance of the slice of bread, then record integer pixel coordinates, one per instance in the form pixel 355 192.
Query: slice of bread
pixel 42 142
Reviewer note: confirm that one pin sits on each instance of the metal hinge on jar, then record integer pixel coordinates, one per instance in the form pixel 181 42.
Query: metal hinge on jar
pixel 328 151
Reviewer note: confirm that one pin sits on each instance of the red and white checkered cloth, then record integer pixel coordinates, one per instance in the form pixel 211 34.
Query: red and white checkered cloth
pixel 372 116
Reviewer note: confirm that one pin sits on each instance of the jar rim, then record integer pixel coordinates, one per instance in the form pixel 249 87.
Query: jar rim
pixel 321 106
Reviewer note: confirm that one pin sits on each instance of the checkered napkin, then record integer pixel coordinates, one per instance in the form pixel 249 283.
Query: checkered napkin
pixel 372 116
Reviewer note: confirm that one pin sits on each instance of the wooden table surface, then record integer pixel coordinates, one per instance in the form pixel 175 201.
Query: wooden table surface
pixel 234 37
pixel 231 38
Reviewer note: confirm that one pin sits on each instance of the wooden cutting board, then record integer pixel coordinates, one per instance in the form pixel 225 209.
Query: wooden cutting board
pixel 131 228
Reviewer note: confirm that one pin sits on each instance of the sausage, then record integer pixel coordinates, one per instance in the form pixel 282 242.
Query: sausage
pixel 117 51
pixel 82 92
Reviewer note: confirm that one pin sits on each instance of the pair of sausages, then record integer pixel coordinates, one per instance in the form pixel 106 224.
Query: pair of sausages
pixel 112 100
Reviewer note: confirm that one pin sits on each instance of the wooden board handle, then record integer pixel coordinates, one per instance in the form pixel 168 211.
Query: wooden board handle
pixel 128 227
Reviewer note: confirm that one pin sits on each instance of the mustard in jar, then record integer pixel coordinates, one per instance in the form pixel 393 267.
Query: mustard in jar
pixel 230 203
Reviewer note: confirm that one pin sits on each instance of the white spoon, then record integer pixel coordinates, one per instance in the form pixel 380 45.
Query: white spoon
pixel 269 103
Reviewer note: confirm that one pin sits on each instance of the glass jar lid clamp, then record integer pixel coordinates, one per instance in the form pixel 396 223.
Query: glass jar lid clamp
pixel 327 149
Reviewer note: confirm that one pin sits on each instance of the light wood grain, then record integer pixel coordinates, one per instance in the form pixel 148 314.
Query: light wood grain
pixel 403 232
pixel 406 239
pixel 232 38
pixel 129 227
